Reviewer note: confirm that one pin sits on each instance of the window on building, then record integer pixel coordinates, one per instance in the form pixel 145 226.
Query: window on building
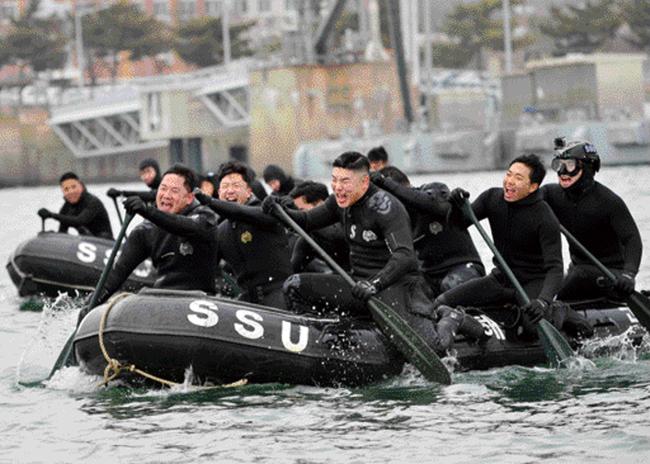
pixel 161 8
pixel 264 6
pixel 290 5
pixel 213 8
pixel 243 6
pixel 186 9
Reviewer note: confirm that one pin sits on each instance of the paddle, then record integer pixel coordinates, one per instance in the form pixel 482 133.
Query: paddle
pixel 117 208
pixel 556 347
pixel 638 303
pixel 407 341
pixel 66 357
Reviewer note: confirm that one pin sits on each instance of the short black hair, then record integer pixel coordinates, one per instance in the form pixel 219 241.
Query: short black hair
pixel 236 167
pixel 312 191
pixel 274 172
pixel 67 176
pixel 378 154
pixel 352 160
pixel 396 174
pixel 149 163
pixel 537 169
pixel 186 173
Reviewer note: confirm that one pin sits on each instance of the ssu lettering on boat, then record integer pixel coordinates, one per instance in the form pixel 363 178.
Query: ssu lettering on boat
pixel 87 253
pixel 249 324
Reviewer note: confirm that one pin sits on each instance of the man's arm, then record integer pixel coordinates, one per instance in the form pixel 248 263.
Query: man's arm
pixel 628 233
pixel 424 201
pixel 551 245
pixel 197 225
pixel 321 216
pixel 87 215
pixel 244 213
pixel 134 251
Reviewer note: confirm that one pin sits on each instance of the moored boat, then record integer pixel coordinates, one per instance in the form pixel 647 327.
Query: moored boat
pixel 53 262
pixel 166 332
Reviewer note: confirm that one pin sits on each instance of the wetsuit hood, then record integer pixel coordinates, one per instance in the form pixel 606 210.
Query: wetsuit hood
pixel 583 184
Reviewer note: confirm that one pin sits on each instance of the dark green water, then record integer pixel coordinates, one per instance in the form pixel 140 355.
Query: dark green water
pixel 597 412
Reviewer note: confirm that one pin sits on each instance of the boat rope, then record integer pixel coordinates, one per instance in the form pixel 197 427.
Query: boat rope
pixel 114 367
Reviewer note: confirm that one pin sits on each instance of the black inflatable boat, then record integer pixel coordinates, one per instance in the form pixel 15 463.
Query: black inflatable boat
pixel 165 332
pixel 53 262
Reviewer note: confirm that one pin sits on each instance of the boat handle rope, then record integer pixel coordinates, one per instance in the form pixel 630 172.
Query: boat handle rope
pixel 114 367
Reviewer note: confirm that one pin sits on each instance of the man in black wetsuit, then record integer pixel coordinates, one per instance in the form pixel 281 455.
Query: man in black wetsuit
pixel 378 158
pixel 149 172
pixel 527 234
pixel 81 210
pixel 280 183
pixel 305 196
pixel 179 235
pixel 446 253
pixel 251 242
pixel 382 258
pixel 598 218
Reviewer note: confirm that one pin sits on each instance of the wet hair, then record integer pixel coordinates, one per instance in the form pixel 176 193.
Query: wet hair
pixel 352 160
pixel 395 174
pixel 274 172
pixel 149 163
pixel 537 169
pixel 67 176
pixel 378 154
pixel 235 167
pixel 186 173
pixel 312 191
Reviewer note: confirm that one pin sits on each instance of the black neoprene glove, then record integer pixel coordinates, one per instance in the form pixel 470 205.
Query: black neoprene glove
pixel 624 283
pixel 135 205
pixel 113 193
pixel 377 178
pixel 535 310
pixel 363 290
pixel 458 196
pixel 268 204
pixel 44 213
pixel 202 197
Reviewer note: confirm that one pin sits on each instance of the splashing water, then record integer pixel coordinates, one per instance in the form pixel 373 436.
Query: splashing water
pixel 58 319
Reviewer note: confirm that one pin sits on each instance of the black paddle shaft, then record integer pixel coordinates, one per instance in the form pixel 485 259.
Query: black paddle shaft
pixel 66 357
pixel 638 303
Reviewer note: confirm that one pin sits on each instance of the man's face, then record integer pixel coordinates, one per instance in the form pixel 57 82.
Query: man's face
pixel 565 180
pixel 301 203
pixel 348 186
pixel 274 184
pixel 377 165
pixel 173 196
pixel 517 184
pixel 234 188
pixel 207 187
pixel 72 190
pixel 147 175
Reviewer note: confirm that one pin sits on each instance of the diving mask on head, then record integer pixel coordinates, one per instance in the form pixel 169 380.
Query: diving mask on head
pixel 566 166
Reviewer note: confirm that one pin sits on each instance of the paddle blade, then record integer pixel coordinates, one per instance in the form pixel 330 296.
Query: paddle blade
pixel 409 343
pixel 556 347
pixel 640 306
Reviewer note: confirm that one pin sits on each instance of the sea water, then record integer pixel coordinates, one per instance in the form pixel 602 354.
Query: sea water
pixel 596 411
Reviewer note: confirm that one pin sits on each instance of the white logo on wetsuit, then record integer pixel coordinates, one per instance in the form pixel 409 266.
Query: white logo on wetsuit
pixel 353 230
pixel 380 202
pixel 368 235
pixel 186 248
pixel 435 228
